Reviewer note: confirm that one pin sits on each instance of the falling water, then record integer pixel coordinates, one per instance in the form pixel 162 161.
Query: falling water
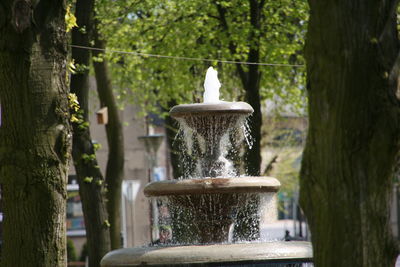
pixel 207 142
pixel 247 133
pixel 205 218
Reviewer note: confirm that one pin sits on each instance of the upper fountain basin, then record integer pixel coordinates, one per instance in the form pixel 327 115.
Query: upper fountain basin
pixel 212 186
pixel 220 107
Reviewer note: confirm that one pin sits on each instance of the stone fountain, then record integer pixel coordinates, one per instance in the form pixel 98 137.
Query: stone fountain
pixel 206 207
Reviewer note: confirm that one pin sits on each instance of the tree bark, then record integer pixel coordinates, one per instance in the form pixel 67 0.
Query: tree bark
pixel 115 139
pixel 353 138
pixel 35 132
pixel 89 176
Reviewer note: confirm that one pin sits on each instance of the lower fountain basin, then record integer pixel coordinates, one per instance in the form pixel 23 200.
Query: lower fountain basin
pixel 254 254
pixel 203 211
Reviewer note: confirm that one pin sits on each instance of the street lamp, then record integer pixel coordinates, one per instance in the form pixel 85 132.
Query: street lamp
pixel 152 143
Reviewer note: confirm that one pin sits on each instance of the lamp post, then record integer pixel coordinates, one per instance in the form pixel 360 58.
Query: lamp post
pixel 152 143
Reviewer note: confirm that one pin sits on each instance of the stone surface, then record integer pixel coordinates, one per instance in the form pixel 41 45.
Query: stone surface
pixel 225 253
pixel 214 108
pixel 212 186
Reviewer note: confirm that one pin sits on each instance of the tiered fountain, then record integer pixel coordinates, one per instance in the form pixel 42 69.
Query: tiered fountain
pixel 207 207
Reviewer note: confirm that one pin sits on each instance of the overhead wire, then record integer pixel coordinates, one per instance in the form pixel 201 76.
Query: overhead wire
pixel 186 58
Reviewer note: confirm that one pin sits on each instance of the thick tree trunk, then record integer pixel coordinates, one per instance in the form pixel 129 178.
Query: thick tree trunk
pixel 35 132
pixel 115 139
pixel 353 138
pixel 89 176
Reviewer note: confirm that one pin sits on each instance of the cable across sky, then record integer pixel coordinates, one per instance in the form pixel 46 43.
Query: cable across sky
pixel 186 58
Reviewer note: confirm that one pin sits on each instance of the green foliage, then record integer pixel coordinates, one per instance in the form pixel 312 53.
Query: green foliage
pixel 84 252
pixel 73 102
pixel 70 19
pixel 287 169
pixel 88 179
pixel 87 158
pixel 71 67
pixel 97 146
pixel 80 68
pixel 195 29
pixel 283 146
pixel 71 252
pixel 107 224
pixel 84 125
pixel 76 112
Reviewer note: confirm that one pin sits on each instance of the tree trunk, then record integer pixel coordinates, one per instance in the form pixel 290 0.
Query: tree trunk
pixel 115 139
pixel 35 132
pixel 250 80
pixel 252 88
pixel 251 84
pixel 89 175
pixel 353 138
pixel 172 127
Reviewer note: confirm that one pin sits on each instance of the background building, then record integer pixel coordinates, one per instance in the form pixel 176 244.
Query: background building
pixel 135 208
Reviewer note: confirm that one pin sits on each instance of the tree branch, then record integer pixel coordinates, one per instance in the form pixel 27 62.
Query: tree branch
pixel 232 47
